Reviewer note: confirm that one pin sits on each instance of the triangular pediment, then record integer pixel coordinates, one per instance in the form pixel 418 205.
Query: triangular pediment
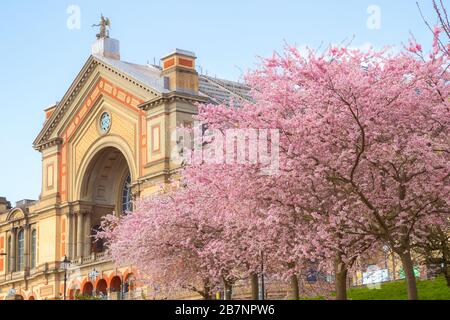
pixel 128 83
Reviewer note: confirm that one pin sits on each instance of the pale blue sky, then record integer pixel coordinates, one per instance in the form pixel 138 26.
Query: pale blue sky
pixel 40 56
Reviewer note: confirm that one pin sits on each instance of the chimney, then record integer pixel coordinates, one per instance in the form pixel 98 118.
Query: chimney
pixel 106 47
pixel 179 71
pixel 49 110
pixel 5 205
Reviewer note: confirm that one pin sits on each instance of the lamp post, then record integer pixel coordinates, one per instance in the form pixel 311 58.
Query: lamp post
pixel 65 264
pixel 93 276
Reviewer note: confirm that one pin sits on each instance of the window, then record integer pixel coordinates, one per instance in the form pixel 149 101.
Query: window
pixel 33 249
pixel 20 250
pixel 127 203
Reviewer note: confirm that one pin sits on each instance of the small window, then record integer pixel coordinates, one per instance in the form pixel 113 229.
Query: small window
pixel 21 250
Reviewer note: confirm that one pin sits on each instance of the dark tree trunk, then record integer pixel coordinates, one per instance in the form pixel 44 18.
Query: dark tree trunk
pixel 445 255
pixel 255 286
pixel 206 292
pixel 295 293
pixel 446 261
pixel 228 290
pixel 447 273
pixel 341 279
pixel 408 268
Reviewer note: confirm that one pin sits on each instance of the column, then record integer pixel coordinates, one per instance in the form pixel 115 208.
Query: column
pixel 80 234
pixel 87 232
pixel 12 254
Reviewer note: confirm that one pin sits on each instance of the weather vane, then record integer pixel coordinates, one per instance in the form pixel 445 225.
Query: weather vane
pixel 104 25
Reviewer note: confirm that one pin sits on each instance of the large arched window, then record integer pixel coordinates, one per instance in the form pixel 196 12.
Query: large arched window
pixel 33 249
pixel 127 201
pixel 21 250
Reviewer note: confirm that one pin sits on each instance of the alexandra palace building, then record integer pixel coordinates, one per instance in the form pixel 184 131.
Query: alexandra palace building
pixel 104 144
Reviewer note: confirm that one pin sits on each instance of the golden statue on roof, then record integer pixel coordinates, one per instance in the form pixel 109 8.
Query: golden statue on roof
pixel 104 25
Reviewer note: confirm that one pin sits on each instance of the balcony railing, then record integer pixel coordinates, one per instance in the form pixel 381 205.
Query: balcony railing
pixel 92 258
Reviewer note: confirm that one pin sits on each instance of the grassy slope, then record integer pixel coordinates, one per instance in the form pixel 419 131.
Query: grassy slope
pixel 428 290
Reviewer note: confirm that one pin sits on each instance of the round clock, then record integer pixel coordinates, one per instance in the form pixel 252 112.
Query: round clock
pixel 105 122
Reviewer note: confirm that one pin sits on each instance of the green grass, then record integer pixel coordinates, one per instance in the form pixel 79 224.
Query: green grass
pixel 435 289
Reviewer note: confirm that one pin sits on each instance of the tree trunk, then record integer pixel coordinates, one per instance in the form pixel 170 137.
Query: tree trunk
pixel 408 268
pixel 206 292
pixel 446 260
pixel 255 286
pixel 295 294
pixel 228 290
pixel 341 279
pixel 447 270
pixel 447 273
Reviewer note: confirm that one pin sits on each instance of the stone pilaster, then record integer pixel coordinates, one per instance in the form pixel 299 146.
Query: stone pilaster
pixel 87 232
pixel 27 239
pixel 80 234
pixel 13 249
pixel 71 236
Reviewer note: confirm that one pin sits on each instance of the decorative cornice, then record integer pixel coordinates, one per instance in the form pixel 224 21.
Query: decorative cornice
pixel 173 96
pixel 165 172
pixel 49 143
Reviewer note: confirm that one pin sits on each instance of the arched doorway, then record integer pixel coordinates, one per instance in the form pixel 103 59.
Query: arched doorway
pixel 130 283
pixel 74 293
pixel 71 294
pixel 31 298
pixel 129 286
pixel 105 189
pixel 101 288
pixel 107 180
pixel 115 288
pixel 88 289
pixel 115 284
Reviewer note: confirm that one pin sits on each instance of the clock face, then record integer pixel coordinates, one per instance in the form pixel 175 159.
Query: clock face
pixel 105 122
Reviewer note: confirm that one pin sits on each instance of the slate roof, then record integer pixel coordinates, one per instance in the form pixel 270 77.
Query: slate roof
pixel 218 90
pixel 147 75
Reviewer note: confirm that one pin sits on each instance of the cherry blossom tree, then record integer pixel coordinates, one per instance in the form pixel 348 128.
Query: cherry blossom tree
pixel 164 243
pixel 441 32
pixel 363 133
pixel 364 162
